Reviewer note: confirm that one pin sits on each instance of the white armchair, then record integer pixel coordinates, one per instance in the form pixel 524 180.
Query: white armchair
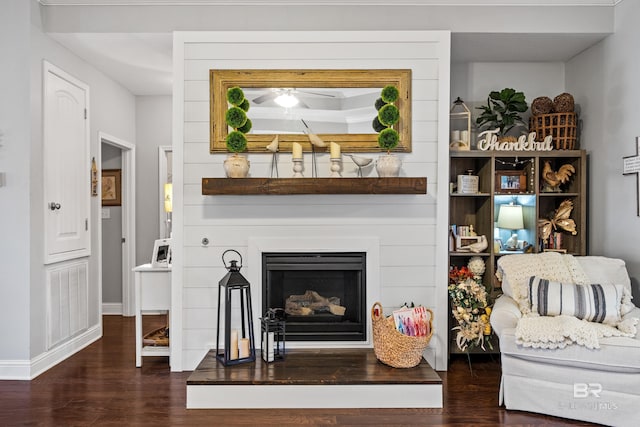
pixel 599 385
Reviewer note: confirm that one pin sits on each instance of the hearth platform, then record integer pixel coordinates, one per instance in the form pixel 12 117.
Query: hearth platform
pixel 313 378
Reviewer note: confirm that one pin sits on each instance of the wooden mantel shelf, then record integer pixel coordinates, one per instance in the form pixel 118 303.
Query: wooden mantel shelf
pixel 282 186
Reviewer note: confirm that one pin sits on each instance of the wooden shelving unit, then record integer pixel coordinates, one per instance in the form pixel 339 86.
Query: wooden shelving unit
pixel 288 186
pixel 481 209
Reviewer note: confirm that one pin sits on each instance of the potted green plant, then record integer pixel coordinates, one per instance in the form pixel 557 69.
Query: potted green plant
pixel 388 115
pixel 502 112
pixel 237 166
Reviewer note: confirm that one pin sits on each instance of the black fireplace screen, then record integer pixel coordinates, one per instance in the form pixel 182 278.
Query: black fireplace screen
pixel 322 294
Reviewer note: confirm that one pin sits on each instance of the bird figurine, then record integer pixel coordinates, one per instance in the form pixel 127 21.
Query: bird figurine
pixel 512 243
pixel 360 161
pixel 316 140
pixel 476 247
pixel 553 179
pixel 273 145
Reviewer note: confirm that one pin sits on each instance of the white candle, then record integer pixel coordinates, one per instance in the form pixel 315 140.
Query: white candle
pixel 455 135
pixel 233 351
pixel 464 135
pixel 244 348
pixel 335 150
pixel 297 150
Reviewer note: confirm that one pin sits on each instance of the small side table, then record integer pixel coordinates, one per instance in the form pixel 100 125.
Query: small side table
pixel 152 293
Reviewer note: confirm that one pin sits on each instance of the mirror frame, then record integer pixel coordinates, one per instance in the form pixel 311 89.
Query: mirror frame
pixel 221 80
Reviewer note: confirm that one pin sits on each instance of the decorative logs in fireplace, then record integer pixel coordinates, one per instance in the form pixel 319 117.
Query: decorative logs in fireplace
pixel 311 303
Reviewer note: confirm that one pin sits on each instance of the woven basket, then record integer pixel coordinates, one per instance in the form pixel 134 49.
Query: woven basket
pixel 157 337
pixel 561 126
pixel 391 346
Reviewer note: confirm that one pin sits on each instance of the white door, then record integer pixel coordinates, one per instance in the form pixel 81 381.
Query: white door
pixel 66 166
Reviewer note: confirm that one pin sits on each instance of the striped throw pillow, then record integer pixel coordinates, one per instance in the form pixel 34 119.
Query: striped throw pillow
pixel 594 303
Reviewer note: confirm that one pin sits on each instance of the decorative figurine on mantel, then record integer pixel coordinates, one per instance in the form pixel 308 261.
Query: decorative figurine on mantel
pixel 273 148
pixel 554 179
pixel 360 162
pixel 388 115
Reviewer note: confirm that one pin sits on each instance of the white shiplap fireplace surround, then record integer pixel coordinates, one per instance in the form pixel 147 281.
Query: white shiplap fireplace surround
pixel 404 236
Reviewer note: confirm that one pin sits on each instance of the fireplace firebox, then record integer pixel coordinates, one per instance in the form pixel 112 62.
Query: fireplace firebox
pixel 322 295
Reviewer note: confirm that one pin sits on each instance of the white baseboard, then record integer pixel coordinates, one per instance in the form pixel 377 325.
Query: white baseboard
pixel 112 309
pixel 29 369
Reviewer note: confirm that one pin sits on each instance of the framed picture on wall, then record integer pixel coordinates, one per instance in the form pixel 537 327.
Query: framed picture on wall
pixel 111 187
pixel 161 256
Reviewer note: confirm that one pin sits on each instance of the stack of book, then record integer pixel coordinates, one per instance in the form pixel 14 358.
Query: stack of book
pixel 413 322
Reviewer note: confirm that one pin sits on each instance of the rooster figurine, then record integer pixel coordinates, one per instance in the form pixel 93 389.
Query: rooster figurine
pixel 552 179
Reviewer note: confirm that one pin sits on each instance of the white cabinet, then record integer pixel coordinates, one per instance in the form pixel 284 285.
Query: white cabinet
pixel 152 294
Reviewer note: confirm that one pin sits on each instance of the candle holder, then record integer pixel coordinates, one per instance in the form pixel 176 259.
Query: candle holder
pixel 233 283
pixel 297 168
pixel 336 165
pixel 272 345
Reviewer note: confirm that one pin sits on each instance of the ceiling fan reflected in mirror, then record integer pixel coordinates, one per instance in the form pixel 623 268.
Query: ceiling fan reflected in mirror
pixel 288 97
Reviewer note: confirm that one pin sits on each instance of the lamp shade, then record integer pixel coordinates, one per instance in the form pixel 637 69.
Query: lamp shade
pixel 168 197
pixel 510 217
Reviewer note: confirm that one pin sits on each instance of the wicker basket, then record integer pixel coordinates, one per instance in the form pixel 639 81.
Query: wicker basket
pixel 157 337
pixel 391 346
pixel 561 126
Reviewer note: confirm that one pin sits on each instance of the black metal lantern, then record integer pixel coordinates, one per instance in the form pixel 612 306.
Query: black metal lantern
pixel 272 344
pixel 239 346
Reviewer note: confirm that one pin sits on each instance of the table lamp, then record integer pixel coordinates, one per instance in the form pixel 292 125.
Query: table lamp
pixel 510 218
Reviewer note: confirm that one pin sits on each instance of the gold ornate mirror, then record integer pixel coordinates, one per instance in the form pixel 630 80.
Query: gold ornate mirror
pixel 337 105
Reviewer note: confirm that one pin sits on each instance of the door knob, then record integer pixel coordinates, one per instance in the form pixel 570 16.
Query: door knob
pixel 54 206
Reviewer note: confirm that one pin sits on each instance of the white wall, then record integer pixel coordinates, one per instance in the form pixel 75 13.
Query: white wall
pixel 406 226
pixel 474 81
pixel 15 205
pixel 112 110
pixel 153 129
pixel 23 47
pixel 605 81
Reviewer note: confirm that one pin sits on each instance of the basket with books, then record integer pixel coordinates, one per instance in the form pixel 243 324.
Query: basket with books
pixel 400 339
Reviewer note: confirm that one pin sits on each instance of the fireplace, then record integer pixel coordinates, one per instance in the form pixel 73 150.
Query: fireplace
pixel 322 295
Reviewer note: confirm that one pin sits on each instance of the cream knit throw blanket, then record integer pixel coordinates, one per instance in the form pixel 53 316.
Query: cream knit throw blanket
pixel 559 331
pixel 548 265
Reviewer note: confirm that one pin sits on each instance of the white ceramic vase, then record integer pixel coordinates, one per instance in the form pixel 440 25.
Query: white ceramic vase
pixel 236 166
pixel 388 166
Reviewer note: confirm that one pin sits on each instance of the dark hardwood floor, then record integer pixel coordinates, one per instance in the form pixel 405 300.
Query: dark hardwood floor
pixel 101 386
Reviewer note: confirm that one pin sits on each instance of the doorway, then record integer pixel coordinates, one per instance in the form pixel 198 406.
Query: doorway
pixel 114 219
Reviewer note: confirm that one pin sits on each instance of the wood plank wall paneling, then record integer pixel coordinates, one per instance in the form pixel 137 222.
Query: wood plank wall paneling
pixel 404 225
pixel 67 301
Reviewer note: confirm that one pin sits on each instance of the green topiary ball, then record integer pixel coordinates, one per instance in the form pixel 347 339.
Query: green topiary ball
pixel 379 104
pixel 246 127
pixel 236 142
pixel 389 115
pixel 235 117
pixel 245 105
pixel 388 139
pixel 377 126
pixel 390 94
pixel 235 96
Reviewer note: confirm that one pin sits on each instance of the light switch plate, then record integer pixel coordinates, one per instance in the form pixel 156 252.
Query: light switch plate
pixel 106 213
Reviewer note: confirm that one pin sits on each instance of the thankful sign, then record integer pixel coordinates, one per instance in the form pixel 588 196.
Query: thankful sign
pixel 524 143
